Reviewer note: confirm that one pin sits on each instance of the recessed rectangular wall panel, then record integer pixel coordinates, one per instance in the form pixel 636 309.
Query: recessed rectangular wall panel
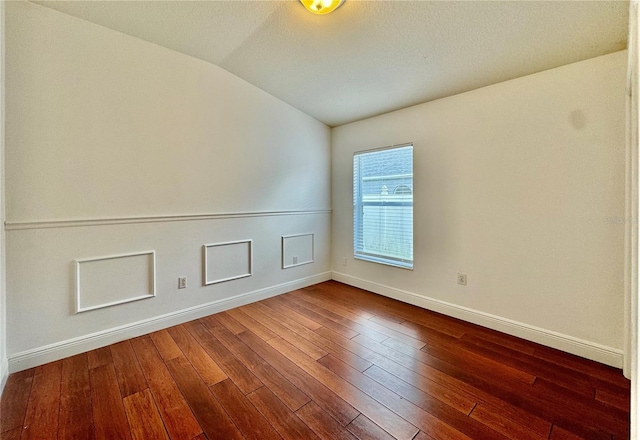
pixel 227 261
pixel 115 279
pixel 297 250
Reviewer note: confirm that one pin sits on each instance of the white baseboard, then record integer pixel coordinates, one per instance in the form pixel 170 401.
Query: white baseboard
pixel 59 350
pixel 580 347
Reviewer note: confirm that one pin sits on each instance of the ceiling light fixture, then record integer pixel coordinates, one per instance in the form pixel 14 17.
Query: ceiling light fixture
pixel 322 7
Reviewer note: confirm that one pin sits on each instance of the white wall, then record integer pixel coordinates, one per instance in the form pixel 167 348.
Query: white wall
pixel 4 370
pixel 632 308
pixel 521 186
pixel 116 145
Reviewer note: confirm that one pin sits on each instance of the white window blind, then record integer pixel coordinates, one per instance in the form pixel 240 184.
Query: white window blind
pixel 383 206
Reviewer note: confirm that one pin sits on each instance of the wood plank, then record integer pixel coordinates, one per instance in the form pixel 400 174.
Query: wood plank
pixel 41 420
pixel 465 372
pixel 354 295
pixel 330 402
pixel 206 367
pixel 288 425
pixel 604 372
pixel 565 377
pixel 75 418
pixel 278 304
pixel 165 345
pixel 417 331
pixel 261 314
pixel 13 434
pixel 438 425
pixel 428 327
pixel 503 339
pixel 311 314
pixel 322 424
pixel 422 436
pixel 109 417
pixel 389 308
pixel 363 428
pixel 269 376
pixel 460 357
pixel 437 395
pixel 484 375
pixel 326 345
pixel 493 344
pixel 364 403
pixel 230 323
pixel 251 324
pixel 399 333
pixel 143 416
pixel 557 433
pixel 540 428
pixel 174 410
pixel 620 401
pixel 128 371
pixel 344 318
pixel 401 365
pixel 233 368
pixel 378 306
pixel 215 422
pixel 281 315
pixel 493 388
pixel 247 418
pixel 446 416
pixel 580 412
pixel 323 304
pixel 99 357
pixel 328 294
pixel 504 425
pixel 432 381
pixel 13 406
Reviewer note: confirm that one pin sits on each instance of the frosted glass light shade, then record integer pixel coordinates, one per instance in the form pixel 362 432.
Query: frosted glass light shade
pixel 322 7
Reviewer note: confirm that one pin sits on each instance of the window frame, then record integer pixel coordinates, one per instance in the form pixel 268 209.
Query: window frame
pixel 386 260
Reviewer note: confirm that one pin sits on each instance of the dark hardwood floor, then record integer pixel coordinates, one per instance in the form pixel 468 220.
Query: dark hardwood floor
pixel 326 362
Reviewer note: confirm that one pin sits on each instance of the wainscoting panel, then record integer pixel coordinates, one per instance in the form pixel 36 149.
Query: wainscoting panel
pixel 44 324
pixel 297 250
pixel 227 261
pixel 115 279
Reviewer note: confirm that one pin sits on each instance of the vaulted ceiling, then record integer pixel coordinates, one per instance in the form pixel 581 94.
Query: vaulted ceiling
pixel 369 57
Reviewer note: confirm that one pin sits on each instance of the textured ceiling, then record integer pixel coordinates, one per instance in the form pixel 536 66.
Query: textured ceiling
pixel 369 57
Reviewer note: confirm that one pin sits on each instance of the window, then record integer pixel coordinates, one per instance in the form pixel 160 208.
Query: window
pixel 383 206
